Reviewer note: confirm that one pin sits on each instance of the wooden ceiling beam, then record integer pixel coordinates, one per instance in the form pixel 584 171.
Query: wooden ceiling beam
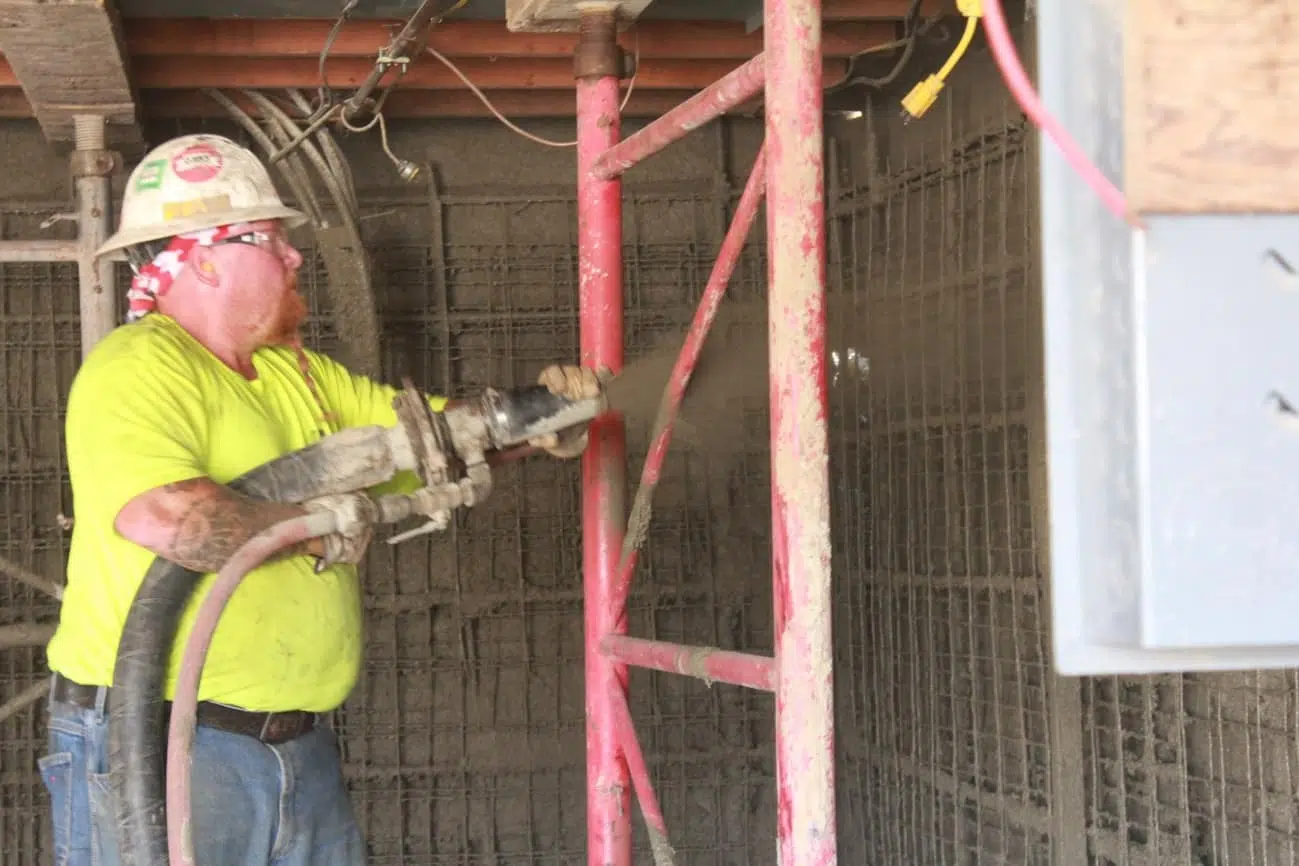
pixel 867 10
pixel 526 75
pixel 271 37
pixel 193 73
pixel 410 104
pixel 69 59
pixel 537 16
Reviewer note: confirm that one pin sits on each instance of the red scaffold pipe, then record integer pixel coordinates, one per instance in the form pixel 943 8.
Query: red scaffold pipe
pixel 600 311
pixel 728 256
pixel 657 828
pixel 737 86
pixel 706 663
pixel 800 484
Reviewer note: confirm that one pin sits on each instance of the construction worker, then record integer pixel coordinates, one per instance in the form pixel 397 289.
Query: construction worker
pixel 206 381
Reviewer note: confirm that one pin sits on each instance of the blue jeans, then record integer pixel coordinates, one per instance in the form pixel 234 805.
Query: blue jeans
pixel 253 804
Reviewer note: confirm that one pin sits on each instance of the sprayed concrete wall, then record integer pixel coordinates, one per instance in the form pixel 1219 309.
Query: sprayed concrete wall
pixel 957 744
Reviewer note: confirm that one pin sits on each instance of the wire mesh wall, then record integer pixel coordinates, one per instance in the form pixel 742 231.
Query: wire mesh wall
pixel 465 742
pixel 39 352
pixel 943 651
pixel 959 744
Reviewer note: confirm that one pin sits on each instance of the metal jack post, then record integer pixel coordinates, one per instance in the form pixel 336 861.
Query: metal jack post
pixel 790 169
pixel 92 166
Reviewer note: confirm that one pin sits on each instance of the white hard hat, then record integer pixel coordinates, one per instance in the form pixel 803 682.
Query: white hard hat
pixel 196 182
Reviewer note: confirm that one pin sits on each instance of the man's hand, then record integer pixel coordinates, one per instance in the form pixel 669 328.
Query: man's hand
pixel 356 515
pixel 573 383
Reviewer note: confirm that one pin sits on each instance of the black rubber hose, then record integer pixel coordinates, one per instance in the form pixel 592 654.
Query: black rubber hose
pixel 138 725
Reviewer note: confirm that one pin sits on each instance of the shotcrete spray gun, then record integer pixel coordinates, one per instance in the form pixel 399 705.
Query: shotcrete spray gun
pixel 451 451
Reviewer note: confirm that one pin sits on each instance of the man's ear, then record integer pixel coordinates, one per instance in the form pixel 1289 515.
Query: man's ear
pixel 205 267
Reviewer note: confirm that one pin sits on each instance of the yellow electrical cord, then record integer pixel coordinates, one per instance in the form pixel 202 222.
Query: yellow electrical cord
pixel 925 93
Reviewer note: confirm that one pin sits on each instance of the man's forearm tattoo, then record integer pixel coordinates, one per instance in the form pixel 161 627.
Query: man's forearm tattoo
pixel 217 521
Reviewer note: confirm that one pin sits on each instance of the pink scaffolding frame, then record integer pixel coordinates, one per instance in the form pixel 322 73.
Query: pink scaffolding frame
pixel 789 169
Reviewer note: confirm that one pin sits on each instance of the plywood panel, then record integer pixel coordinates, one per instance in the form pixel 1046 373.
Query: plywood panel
pixel 1212 117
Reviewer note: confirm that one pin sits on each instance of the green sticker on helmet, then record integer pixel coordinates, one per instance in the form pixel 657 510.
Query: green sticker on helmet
pixel 150 176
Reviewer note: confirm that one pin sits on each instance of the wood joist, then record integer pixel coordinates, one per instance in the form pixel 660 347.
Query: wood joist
pixel 539 16
pixel 1209 107
pixel 525 74
pixel 70 59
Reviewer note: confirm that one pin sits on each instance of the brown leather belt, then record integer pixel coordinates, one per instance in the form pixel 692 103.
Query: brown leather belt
pixel 270 728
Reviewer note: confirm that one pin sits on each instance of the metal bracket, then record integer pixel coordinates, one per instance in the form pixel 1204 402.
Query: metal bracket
pixel 94 163
pixel 449 456
pixel 388 60
pixel 49 221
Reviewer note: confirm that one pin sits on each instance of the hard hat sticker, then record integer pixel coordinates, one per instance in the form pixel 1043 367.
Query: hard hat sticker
pixel 197 163
pixel 174 210
pixel 150 175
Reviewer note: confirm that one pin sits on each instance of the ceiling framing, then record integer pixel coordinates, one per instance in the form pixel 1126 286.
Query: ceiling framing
pixel 153 58
pixel 70 60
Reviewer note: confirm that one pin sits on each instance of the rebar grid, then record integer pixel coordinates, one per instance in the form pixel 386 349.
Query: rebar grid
pixel 943 653
pixel 464 742
pixel 1197 768
pixel 39 350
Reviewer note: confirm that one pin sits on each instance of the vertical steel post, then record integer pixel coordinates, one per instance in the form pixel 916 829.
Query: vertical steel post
pixel 599 238
pixel 92 164
pixel 800 490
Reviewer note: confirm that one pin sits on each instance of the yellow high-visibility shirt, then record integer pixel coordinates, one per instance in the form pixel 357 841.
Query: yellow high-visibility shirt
pixel 152 406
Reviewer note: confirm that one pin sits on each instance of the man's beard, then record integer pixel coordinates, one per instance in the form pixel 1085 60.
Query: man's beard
pixel 291 315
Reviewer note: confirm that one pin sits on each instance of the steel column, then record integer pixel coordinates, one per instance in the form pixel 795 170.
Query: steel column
pixel 599 230
pixel 800 490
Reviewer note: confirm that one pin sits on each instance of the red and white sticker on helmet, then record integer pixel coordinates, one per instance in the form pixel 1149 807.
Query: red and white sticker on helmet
pixel 197 163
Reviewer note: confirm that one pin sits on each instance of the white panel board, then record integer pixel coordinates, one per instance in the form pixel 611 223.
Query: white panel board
pixel 1171 485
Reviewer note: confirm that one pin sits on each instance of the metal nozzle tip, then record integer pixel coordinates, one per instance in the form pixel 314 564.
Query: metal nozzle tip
pixel 409 171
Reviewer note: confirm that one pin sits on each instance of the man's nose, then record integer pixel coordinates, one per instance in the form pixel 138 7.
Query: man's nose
pixel 292 257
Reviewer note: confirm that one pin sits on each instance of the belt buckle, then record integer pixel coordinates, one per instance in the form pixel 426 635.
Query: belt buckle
pixel 266 727
pixel 280 726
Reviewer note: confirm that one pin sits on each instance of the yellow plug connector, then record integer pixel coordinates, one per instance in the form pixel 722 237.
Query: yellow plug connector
pixel 922 97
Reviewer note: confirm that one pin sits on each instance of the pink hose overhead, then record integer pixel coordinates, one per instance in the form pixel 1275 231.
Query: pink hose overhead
pixel 1021 89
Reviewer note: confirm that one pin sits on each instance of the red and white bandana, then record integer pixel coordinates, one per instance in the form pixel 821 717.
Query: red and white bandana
pixel 156 277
